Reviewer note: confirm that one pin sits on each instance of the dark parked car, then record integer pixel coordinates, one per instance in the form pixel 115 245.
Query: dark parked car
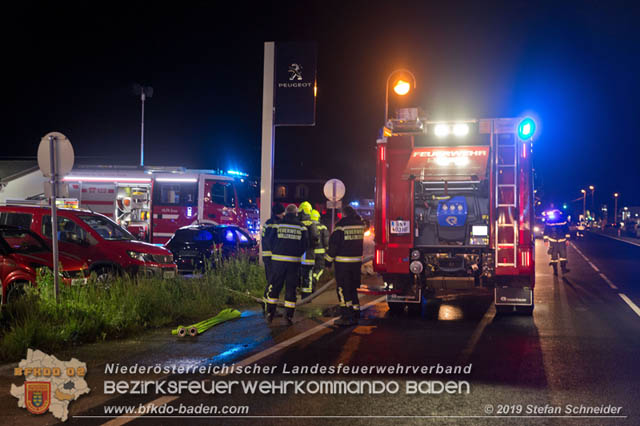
pixel 195 246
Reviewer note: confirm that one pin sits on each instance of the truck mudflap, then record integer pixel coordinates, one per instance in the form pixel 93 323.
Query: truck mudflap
pixel 405 298
pixel 513 296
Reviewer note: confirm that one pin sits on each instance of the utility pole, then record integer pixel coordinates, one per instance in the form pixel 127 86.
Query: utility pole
pixel 584 203
pixel 144 93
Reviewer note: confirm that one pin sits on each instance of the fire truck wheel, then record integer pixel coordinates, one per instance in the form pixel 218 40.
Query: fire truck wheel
pixel 414 309
pixel 395 308
pixel 431 308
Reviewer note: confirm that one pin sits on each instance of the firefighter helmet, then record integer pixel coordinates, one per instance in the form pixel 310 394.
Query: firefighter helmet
pixel 305 206
pixel 315 215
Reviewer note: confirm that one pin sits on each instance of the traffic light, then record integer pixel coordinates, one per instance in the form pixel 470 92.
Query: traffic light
pixel 526 128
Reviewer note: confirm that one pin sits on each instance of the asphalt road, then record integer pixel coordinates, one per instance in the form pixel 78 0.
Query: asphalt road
pixel 580 348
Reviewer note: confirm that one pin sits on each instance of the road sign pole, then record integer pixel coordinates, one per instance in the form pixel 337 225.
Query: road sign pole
pixel 333 210
pixel 268 136
pixel 54 218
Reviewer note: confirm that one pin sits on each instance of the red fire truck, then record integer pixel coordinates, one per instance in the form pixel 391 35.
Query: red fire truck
pixel 153 203
pixel 454 210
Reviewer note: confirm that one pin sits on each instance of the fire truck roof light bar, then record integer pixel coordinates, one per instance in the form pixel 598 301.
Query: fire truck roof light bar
pixel 443 130
pixel 168 179
pixel 105 179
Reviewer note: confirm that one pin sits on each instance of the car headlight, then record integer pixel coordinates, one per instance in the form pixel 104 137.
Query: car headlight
pixel 142 257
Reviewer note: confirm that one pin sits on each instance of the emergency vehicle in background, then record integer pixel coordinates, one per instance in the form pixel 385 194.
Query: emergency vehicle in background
pixel 454 209
pixel 152 203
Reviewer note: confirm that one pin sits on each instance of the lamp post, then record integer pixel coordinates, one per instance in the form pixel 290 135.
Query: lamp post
pixel 401 87
pixel 615 208
pixel 584 203
pixel 592 188
pixel 144 92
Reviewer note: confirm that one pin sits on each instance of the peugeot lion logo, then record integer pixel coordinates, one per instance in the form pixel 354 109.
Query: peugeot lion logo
pixel 295 72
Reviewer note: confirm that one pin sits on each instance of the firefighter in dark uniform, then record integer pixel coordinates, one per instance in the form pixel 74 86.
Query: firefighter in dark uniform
pixel 308 259
pixel 345 249
pixel 276 217
pixel 323 245
pixel 556 233
pixel 288 243
pixel 580 227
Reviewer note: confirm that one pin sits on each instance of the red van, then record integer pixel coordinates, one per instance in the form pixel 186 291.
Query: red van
pixel 22 252
pixel 104 245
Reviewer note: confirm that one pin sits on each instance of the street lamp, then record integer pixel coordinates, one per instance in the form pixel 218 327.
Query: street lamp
pixel 592 188
pixel 144 92
pixel 615 208
pixel 584 203
pixel 401 87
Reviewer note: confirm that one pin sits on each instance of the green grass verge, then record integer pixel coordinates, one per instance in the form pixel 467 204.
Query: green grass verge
pixel 124 307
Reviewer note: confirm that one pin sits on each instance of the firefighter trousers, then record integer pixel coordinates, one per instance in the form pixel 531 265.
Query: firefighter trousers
pixel 558 252
pixel 267 272
pixel 318 269
pixel 306 276
pixel 348 281
pixel 283 274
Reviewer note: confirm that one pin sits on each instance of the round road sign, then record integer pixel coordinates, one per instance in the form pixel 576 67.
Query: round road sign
pixel 334 189
pixel 63 154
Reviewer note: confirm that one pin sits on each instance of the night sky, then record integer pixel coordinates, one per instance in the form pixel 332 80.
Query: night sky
pixel 574 65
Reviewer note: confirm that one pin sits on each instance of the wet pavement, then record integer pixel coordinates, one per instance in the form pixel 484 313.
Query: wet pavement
pixel 580 348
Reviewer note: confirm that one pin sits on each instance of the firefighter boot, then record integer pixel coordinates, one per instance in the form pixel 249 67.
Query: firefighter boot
pixel 563 264
pixel 555 268
pixel 356 313
pixel 271 312
pixel 289 316
pixel 346 317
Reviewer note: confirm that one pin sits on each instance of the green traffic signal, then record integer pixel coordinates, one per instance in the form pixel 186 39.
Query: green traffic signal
pixel 526 128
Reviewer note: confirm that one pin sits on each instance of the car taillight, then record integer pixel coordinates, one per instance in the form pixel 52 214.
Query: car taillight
pixel 379 257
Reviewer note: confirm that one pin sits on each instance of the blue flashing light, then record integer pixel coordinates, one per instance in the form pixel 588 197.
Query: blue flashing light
pixel 237 173
pixel 564 206
pixel 228 235
pixel 355 204
pixel 371 204
pixel 526 128
pixel 552 214
pixel 243 238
